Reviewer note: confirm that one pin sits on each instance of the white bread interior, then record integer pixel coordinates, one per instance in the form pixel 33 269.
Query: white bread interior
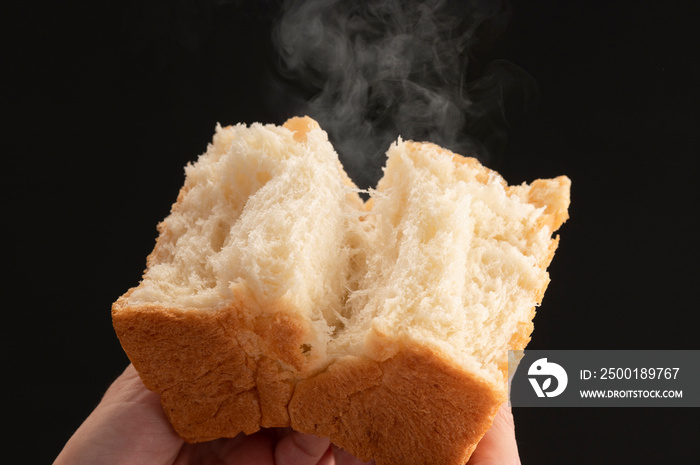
pixel 441 269
pixel 455 259
pixel 265 209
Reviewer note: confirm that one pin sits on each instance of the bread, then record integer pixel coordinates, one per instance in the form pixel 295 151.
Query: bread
pixel 276 297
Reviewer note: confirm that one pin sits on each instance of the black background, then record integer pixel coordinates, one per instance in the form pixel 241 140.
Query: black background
pixel 103 104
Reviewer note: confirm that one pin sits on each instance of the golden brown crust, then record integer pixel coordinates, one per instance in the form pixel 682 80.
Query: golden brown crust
pixel 301 126
pixel 416 407
pixel 219 372
pixel 553 195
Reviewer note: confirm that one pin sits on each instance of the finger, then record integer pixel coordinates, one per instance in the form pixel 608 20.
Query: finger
pixel 256 449
pixel 222 449
pixel 342 457
pixel 127 426
pixel 498 446
pixel 303 449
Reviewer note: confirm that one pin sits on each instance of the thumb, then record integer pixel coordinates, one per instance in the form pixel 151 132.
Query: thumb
pixel 127 427
pixel 303 449
pixel 498 446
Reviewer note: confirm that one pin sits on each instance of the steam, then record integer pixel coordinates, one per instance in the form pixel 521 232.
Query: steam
pixel 369 72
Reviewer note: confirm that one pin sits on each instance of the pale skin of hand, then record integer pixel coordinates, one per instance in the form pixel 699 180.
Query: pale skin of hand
pixel 129 427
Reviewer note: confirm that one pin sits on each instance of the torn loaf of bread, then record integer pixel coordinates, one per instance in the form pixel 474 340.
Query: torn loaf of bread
pixel 276 297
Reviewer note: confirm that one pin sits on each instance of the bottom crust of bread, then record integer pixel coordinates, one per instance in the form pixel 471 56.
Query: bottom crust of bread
pixel 220 374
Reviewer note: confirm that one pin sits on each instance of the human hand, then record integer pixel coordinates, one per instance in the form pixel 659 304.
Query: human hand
pixel 129 427
pixel 498 446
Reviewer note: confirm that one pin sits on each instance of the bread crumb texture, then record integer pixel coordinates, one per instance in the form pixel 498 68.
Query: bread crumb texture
pixel 276 297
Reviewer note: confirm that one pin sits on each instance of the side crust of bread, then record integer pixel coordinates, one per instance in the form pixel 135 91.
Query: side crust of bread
pixel 393 410
pixel 214 382
pixel 219 373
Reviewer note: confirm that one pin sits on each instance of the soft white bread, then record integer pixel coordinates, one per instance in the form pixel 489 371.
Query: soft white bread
pixel 275 297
